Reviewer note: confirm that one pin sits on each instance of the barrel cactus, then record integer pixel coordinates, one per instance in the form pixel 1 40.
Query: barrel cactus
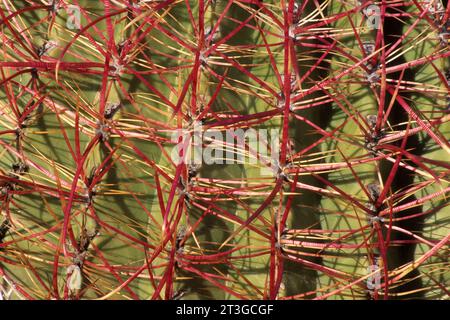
pixel 224 149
